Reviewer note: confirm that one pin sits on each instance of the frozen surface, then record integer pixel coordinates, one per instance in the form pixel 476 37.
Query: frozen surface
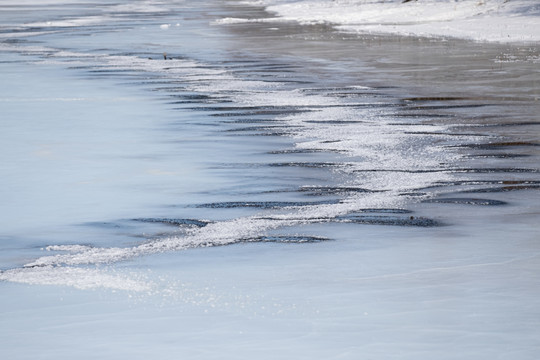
pixel 264 189
pixel 495 20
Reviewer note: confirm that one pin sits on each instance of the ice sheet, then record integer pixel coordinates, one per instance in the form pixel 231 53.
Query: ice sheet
pixel 228 204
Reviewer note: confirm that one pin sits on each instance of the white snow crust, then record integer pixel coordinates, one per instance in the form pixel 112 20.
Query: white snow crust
pixel 479 20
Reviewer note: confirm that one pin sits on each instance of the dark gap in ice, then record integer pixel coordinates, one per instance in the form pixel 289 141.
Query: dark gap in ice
pixel 275 133
pixel 497 156
pixel 301 151
pixel 444 107
pixel 142 54
pixel 175 89
pixel 386 211
pixel 384 87
pixel 174 222
pixel 79 67
pixel 439 98
pixel 413 194
pixel 404 171
pixel 251 121
pixel 210 101
pixel 261 70
pixel 284 66
pixel 264 204
pixel 345 89
pixel 485 182
pixel 289 239
pixel 496 170
pixel 298 219
pixel 200 97
pixel 205 81
pixel 326 190
pixel 357 94
pixel 290 108
pixel 498 145
pixel 108 71
pixel 336 122
pixel 422 116
pixel 255 113
pixel 439 133
pixel 368 105
pixel 308 164
pixel 525 123
pixel 16 41
pixel 160 80
pixel 247 108
pixel 503 189
pixel 467 201
pixel 191 98
pixel 265 65
pixel 234 64
pixel 126 76
pixel 297 82
pixel 389 220
pixel 262 128
pixel 456 170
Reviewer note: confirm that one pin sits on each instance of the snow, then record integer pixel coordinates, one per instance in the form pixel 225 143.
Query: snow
pixel 479 20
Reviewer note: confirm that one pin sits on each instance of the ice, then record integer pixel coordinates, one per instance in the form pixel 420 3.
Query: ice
pixel 84 21
pixel 77 277
pixel 227 305
pixel 286 194
pixel 229 20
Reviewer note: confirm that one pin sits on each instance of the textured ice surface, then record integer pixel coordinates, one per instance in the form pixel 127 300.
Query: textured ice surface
pixel 215 202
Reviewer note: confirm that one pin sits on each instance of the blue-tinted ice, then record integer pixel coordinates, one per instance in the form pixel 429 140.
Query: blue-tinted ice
pixel 177 186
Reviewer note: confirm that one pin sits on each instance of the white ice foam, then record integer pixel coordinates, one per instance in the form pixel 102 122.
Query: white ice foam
pixel 214 234
pixel 81 21
pixel 140 7
pixel 80 278
pixel 372 144
pixel 69 248
pixel 231 20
